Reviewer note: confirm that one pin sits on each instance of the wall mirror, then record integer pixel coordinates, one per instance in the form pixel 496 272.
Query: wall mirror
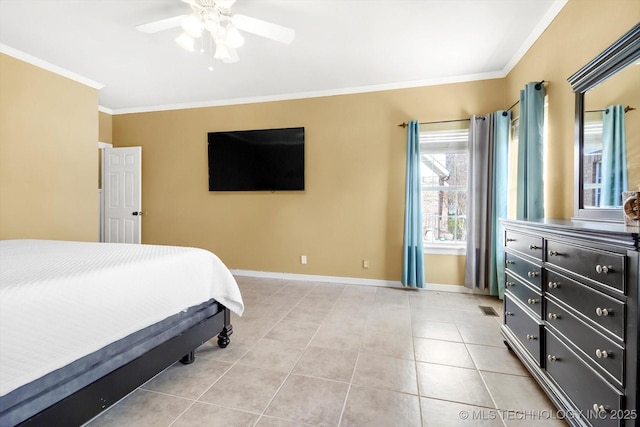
pixel 607 148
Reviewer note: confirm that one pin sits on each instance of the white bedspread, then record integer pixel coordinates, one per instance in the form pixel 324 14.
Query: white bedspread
pixel 60 300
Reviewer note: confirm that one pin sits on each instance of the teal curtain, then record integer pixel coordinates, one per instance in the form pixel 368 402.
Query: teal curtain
pixel 487 201
pixel 614 157
pixel 413 259
pixel 501 129
pixel 530 196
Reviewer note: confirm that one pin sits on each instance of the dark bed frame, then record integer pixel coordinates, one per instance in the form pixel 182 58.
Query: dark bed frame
pixel 91 400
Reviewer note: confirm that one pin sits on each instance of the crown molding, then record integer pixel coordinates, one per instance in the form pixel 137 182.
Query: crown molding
pixel 25 57
pixel 105 110
pixel 313 94
pixel 551 14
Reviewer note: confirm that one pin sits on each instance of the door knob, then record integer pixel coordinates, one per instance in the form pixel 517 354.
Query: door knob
pixel 136 213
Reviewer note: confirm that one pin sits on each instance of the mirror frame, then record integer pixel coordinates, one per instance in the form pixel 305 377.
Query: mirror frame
pixel 621 53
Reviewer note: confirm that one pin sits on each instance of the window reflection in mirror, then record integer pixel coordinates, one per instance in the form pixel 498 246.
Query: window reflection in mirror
pixel 621 89
pixel 592 158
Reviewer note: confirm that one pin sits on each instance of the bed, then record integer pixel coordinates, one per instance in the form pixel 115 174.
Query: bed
pixel 83 324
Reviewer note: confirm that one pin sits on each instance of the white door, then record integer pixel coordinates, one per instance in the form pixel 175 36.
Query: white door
pixel 121 186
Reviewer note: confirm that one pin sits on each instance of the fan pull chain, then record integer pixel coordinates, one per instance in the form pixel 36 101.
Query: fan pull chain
pixel 211 48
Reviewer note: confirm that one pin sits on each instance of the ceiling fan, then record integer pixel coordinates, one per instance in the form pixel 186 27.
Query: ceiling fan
pixel 213 19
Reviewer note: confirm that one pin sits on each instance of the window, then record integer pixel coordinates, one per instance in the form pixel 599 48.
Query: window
pixel 445 156
pixel 592 158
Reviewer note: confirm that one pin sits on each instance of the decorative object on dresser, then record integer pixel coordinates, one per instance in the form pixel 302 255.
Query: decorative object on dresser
pixel 631 206
pixel 571 315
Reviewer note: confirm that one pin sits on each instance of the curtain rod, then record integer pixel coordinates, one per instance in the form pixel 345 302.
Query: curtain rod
pixel 538 87
pixel 504 113
pixel 626 110
pixel 405 124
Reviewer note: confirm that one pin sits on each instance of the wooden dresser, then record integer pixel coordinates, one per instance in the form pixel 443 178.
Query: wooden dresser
pixel 571 315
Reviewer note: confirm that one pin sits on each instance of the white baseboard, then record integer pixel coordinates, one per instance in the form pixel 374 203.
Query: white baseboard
pixel 352 281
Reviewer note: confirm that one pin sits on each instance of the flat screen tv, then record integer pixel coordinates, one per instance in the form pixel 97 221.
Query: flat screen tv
pixel 257 160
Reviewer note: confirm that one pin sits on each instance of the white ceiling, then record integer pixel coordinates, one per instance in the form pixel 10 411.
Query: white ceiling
pixel 341 46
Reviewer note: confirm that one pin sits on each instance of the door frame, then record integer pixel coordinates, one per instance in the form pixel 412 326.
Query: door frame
pixel 101 146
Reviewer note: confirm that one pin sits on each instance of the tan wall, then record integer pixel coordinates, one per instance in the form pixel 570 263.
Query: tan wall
pixel 352 208
pixel 582 30
pixel 48 137
pixel 105 133
pixel 445 269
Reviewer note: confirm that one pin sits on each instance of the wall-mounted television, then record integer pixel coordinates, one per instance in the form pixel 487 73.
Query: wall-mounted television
pixel 257 160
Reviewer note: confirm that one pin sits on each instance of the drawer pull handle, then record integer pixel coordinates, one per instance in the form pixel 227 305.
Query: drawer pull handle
pixel 533 274
pixel 510 240
pixel 603 354
pixel 508 313
pixel 551 358
pixel 553 285
pixel 534 247
pixel 510 284
pixel 603 269
pixel 553 316
pixel 553 253
pixel 531 337
pixel 599 409
pixel 532 301
pixel 602 312
pixel 510 261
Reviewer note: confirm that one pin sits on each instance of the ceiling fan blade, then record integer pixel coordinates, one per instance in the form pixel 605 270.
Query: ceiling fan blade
pixel 263 28
pixel 161 25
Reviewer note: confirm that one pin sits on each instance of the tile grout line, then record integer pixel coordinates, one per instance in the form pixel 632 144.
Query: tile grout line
pixel 355 367
pixel 346 397
pixel 415 364
pixel 263 413
pixel 484 382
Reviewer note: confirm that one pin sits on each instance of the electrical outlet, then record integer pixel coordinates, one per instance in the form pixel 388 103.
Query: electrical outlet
pixel 303 259
pixel 365 263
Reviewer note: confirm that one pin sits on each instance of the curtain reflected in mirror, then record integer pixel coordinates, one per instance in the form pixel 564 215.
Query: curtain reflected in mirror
pixel 611 151
pixel 605 165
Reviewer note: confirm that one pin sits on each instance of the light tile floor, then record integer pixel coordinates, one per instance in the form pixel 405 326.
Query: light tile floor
pixel 343 355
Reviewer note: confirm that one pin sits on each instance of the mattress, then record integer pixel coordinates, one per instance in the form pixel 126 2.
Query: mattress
pixel 25 401
pixel 61 301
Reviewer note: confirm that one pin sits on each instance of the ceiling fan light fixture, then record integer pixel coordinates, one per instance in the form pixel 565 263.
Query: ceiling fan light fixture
pixel 222 52
pixel 232 57
pixel 233 38
pixel 221 29
pixel 192 26
pixel 185 41
pixel 211 25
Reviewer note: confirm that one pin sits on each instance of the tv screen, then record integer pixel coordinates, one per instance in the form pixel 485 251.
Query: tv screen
pixel 257 160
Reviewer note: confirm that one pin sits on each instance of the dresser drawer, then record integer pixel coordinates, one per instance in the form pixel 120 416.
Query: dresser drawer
pixel 603 267
pixel 581 383
pixel 527 329
pixel 527 296
pixel 524 243
pixel 528 271
pixel 602 351
pixel 606 312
